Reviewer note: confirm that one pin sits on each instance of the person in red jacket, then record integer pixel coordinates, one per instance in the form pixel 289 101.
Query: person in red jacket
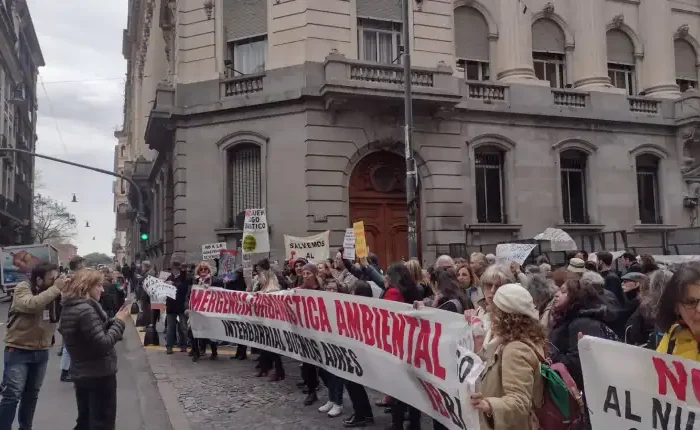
pixel 400 287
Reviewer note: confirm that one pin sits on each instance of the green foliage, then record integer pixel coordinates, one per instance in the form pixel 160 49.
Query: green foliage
pixel 95 258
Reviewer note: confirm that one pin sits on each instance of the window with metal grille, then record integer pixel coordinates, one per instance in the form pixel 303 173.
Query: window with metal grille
pixel 573 186
pixel 489 185
pixel 245 179
pixel 648 189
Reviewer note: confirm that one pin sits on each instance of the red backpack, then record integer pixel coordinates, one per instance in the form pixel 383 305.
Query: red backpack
pixel 563 407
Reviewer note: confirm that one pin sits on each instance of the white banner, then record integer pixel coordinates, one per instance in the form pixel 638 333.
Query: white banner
pixel 507 253
pixel 421 357
pixel 628 387
pixel 256 238
pixel 158 290
pixel 560 240
pixel 312 248
pixel 349 244
pixel 211 251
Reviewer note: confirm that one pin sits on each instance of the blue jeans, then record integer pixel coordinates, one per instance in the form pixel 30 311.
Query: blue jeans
pixel 21 381
pixel 176 330
pixel 335 386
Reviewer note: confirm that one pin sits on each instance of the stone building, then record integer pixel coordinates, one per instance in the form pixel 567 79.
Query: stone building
pixel 528 114
pixel 20 59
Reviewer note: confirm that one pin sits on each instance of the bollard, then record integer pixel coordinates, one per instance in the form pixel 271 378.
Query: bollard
pixel 135 308
pixel 151 336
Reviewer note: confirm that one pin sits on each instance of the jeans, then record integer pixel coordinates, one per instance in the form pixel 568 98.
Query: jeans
pixel 309 374
pixel 21 381
pixel 359 399
pixel 335 386
pixel 65 360
pixel 97 403
pixel 177 330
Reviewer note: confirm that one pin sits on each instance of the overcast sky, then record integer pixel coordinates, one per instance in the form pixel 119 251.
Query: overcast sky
pixel 80 107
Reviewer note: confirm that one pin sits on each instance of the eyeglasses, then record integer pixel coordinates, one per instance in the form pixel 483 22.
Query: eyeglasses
pixel 690 303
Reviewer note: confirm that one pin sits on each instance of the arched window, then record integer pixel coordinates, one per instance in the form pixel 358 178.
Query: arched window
pixel 621 61
pixel 574 197
pixel 686 65
pixel 245 181
pixel 548 53
pixel 490 181
pixel 122 184
pixel 472 43
pixel 648 188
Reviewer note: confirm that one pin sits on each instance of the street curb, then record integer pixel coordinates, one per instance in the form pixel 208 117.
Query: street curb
pixel 178 420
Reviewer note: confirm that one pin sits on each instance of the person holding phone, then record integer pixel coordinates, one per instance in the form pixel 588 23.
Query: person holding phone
pixel 89 336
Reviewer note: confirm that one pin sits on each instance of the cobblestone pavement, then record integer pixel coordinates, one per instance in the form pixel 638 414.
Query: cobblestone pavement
pixel 225 394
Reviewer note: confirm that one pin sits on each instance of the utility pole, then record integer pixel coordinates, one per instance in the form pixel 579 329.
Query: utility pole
pixel 411 178
pixel 139 196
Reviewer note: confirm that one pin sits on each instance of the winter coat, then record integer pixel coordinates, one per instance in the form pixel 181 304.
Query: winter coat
pixel 679 341
pixel 177 305
pixel 110 298
pixel 564 337
pixel 640 329
pixel 27 327
pixel 89 336
pixel 513 386
pixel 613 284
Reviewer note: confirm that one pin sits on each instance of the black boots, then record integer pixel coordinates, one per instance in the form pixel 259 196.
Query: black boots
pixel 65 376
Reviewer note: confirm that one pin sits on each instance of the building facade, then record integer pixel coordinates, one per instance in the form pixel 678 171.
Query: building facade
pixel 20 56
pixel 530 114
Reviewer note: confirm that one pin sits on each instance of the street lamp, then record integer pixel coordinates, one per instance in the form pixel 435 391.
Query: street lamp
pixel 75 199
pixel 87 224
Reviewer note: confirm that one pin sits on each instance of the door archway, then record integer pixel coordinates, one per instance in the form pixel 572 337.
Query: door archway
pixel 378 197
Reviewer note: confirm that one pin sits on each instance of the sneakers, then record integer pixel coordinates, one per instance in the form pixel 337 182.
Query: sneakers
pixel 325 408
pixel 311 398
pixel 357 421
pixel 335 411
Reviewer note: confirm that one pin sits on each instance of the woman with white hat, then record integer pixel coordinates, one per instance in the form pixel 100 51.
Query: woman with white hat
pixel 511 387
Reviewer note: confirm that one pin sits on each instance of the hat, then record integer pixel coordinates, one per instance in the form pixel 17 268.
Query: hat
pixel 514 299
pixel 300 260
pixel 634 277
pixel 310 267
pixel 576 265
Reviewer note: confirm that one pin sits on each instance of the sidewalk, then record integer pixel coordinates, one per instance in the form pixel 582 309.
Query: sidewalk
pixel 223 394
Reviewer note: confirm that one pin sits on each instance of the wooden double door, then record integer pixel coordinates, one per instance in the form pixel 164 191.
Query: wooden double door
pixel 378 197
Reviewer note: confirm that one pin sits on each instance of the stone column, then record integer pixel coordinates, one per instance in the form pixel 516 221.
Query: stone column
pixel 658 77
pixel 590 65
pixel 514 49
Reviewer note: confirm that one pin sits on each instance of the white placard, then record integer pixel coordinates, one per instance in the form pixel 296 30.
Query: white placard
pixel 376 289
pixel 349 244
pixel 593 256
pixel 311 248
pixel 428 365
pixel 628 387
pixel 211 251
pixel 560 240
pixel 159 290
pixel 256 238
pixel 507 253
pixel 163 276
pixel 676 259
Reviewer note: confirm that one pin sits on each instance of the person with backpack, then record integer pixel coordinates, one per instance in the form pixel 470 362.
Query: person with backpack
pixel 511 388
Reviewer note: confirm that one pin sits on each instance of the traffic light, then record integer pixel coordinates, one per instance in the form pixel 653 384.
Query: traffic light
pixel 143 229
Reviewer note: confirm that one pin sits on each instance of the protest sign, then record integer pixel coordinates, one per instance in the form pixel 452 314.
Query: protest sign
pixel 559 239
pixel 507 253
pixel 158 290
pixel 628 387
pixel 361 250
pixel 211 251
pixel 349 244
pixel 256 238
pixel 227 265
pixel 421 357
pixel 163 275
pixel 312 248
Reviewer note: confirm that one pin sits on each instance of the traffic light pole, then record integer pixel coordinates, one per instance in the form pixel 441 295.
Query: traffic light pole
pixel 411 178
pixel 139 195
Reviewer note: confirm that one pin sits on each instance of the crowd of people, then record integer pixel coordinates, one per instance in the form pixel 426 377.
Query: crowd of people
pixel 523 316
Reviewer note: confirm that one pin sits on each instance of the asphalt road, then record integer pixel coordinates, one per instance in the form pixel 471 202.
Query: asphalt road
pixel 138 399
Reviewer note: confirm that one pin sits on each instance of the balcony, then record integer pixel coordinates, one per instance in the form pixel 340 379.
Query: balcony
pixel 23 188
pixel 352 79
pixel 13 209
pixel 160 129
pixel 570 98
pixel 242 85
pixel 644 105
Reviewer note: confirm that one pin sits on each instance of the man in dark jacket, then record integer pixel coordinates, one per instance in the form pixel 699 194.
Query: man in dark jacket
pixel 175 308
pixel 612 281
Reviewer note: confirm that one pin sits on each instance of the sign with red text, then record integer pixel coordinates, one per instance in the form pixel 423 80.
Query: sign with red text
pixel 628 387
pixel 422 357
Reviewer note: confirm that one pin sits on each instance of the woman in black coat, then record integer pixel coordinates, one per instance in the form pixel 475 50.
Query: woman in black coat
pixel 89 335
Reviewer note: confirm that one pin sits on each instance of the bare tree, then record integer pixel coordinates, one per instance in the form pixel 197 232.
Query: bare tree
pixel 52 222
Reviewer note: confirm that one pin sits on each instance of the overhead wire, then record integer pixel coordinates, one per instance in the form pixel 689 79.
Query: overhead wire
pixel 51 111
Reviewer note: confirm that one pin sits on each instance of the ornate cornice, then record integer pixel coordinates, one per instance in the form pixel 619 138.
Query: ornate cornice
pixel 145 36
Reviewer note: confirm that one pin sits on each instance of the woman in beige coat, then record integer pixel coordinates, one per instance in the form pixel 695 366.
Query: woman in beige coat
pixel 511 386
